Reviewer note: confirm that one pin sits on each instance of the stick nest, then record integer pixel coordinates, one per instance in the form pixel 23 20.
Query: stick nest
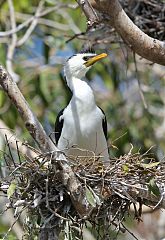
pixel 148 15
pixel 35 185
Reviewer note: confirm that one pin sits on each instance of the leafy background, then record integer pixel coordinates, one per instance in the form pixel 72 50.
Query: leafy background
pixel 130 92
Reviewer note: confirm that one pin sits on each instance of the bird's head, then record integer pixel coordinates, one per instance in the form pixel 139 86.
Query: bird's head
pixel 78 65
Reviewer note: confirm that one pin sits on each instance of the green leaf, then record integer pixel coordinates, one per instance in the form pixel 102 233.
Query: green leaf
pixel 125 168
pixel 153 188
pixel 97 198
pixel 52 2
pixel 11 189
pixel 90 198
pixel 150 165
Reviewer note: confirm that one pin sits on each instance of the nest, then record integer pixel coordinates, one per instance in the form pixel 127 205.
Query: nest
pixel 148 15
pixel 35 185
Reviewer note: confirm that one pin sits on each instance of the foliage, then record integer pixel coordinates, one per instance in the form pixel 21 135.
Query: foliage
pixel 116 81
pixel 130 92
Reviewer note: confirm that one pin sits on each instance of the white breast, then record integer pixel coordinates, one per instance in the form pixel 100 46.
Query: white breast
pixel 82 126
pixel 83 130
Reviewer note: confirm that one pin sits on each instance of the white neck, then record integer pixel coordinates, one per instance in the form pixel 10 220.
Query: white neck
pixel 82 93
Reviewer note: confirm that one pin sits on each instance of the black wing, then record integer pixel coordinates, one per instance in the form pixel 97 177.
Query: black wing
pixel 104 124
pixel 59 125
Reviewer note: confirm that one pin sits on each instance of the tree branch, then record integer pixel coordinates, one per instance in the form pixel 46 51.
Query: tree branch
pixel 89 12
pixel 36 130
pixel 15 143
pixel 29 20
pixel 12 44
pixel 147 47
pixel 43 21
pixel 32 25
pixel 30 120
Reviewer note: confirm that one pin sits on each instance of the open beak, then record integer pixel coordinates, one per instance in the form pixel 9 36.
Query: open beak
pixel 94 59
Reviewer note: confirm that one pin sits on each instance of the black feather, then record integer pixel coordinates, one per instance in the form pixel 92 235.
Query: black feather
pixel 71 57
pixel 59 125
pixel 104 125
pixel 88 50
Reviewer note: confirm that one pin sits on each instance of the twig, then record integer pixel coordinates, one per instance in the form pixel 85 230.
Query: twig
pixel 12 139
pixel 9 230
pixel 72 25
pixel 10 153
pixel 129 231
pixel 12 45
pixel 28 21
pixel 32 26
pixel 44 21
pixel 139 84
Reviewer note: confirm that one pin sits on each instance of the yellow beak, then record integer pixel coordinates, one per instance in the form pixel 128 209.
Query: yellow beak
pixel 94 59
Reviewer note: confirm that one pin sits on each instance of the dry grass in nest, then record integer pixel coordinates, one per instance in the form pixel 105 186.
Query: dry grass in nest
pixel 35 185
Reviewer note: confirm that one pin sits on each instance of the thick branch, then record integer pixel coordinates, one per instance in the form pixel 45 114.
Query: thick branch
pixel 89 12
pixel 147 47
pixel 30 120
pixel 37 132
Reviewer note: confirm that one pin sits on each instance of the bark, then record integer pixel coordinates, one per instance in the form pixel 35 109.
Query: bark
pixel 45 144
pixel 147 47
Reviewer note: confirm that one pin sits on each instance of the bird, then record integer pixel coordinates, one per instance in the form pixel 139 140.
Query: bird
pixel 81 127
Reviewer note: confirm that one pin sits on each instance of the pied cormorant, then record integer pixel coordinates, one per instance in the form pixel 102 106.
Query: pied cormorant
pixel 81 127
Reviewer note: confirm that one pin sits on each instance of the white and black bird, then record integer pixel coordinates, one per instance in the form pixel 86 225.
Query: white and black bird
pixel 81 127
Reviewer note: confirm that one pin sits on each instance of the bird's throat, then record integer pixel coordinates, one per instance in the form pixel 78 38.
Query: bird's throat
pixel 82 92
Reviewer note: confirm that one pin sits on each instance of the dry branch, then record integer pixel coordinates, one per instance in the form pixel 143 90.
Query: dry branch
pixel 12 44
pixel 112 12
pixel 89 12
pixel 50 151
pixel 29 118
pixel 15 143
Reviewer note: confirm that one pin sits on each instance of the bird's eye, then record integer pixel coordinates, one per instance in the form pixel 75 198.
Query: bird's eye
pixel 86 58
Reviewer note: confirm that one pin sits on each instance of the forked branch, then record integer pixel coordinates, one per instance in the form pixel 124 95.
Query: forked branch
pixel 113 13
